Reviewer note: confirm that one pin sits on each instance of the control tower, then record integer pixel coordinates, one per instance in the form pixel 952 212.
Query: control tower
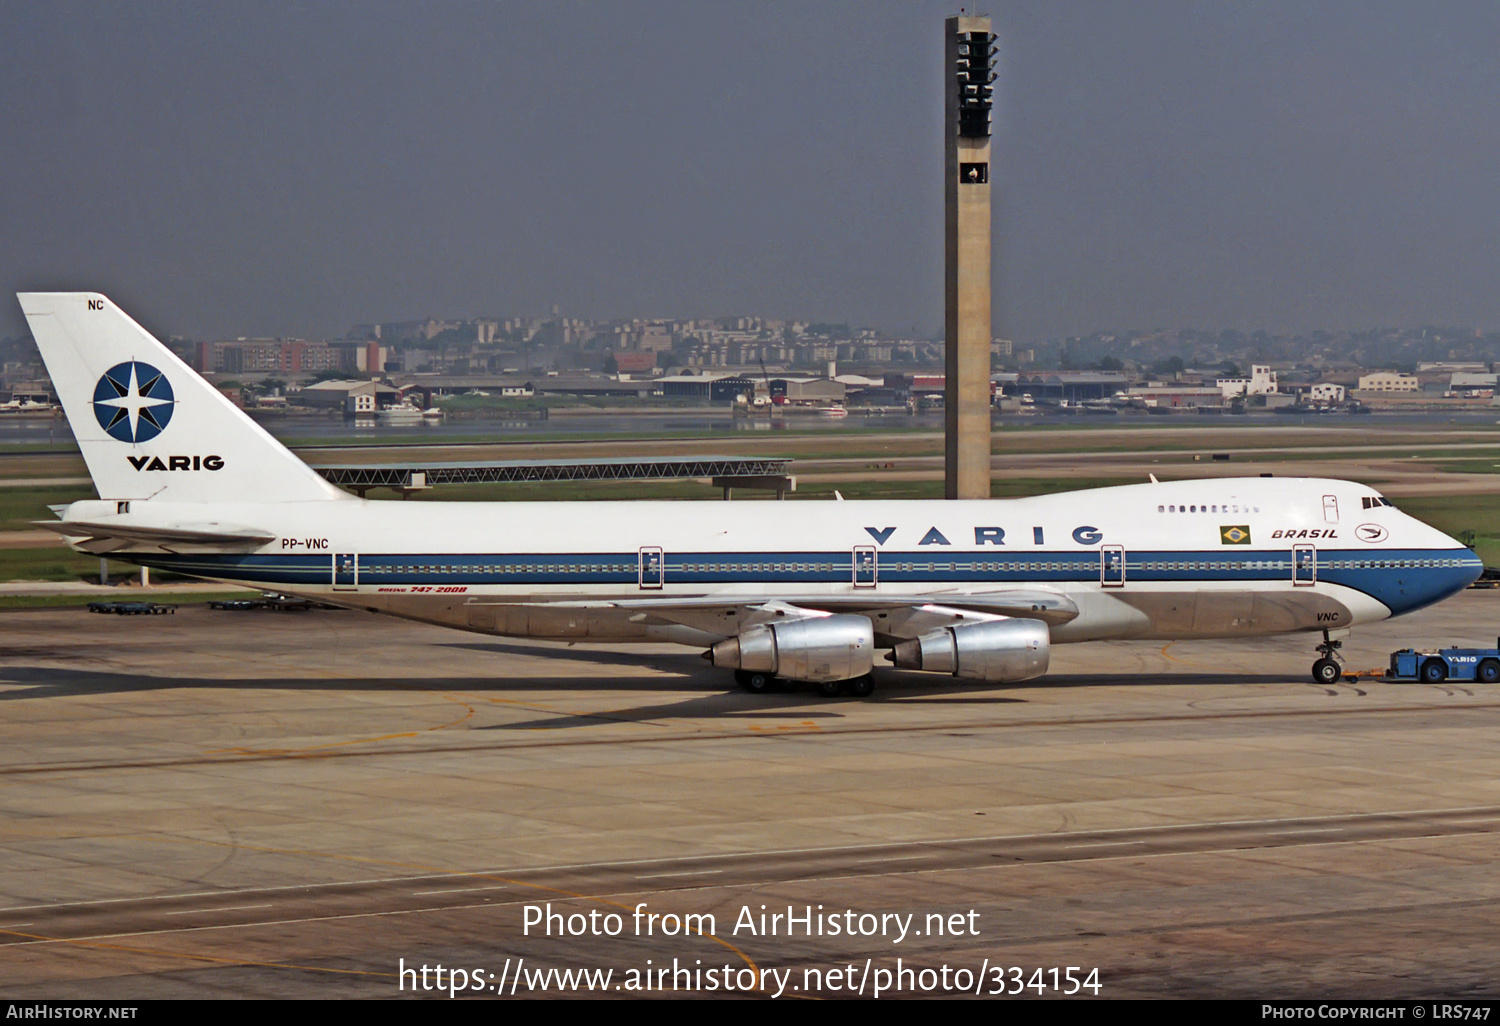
pixel 969 57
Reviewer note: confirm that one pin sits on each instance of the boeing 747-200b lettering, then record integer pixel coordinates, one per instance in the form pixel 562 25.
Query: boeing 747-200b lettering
pixel 801 591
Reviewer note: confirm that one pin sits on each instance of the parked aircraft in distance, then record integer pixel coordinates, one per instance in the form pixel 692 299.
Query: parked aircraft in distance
pixel 803 591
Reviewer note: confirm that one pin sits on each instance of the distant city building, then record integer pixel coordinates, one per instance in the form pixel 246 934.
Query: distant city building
pixel 654 338
pixel 35 392
pixel 1074 386
pixel 915 385
pixel 1327 392
pixel 1262 381
pixel 353 397
pixel 1170 397
pixel 1453 366
pixel 718 387
pixel 1389 381
pixel 486 330
pixel 812 391
pixel 634 362
pixel 283 356
pixel 1473 386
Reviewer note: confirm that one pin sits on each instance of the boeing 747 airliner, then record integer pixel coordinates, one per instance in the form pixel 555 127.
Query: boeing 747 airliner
pixel 800 591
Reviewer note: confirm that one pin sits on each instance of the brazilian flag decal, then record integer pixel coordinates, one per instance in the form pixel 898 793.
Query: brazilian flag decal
pixel 1235 535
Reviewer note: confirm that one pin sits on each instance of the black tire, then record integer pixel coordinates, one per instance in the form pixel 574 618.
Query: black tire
pixel 1488 672
pixel 753 681
pixel 1326 671
pixel 862 687
pixel 1434 671
pixel 830 688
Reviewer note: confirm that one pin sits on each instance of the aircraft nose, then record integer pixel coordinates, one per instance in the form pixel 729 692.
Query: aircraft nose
pixel 1426 581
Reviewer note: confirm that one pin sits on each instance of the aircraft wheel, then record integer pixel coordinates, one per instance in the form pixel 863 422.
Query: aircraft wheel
pixel 862 687
pixel 754 681
pixel 1434 671
pixel 830 688
pixel 1489 672
pixel 1325 671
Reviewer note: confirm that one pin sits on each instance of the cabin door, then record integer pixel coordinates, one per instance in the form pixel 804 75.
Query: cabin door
pixel 865 566
pixel 652 567
pixel 1304 565
pixel 1112 566
pixel 345 571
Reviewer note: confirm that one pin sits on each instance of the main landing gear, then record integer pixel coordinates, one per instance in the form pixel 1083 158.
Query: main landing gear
pixel 855 687
pixel 1327 669
pixel 758 683
pixel 753 681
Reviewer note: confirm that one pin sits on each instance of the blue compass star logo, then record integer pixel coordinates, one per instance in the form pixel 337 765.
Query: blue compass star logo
pixel 133 401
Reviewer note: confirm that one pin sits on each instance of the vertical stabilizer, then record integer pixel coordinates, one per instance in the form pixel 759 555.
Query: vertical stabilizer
pixel 148 425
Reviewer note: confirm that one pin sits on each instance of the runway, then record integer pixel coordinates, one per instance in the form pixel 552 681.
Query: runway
pixel 223 804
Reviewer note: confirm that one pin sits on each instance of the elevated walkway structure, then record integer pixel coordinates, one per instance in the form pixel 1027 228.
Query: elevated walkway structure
pixel 726 472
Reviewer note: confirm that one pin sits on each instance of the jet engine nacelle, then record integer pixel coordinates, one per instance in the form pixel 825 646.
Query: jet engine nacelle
pixel 816 648
pixel 999 650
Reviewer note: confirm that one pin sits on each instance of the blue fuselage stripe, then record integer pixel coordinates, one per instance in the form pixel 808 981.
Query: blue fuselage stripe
pixel 1399 578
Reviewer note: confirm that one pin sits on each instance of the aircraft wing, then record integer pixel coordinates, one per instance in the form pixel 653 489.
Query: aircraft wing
pixel 726 616
pixel 1033 604
pixel 100 538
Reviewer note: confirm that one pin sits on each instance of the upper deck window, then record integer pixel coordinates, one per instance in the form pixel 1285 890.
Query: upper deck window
pixel 1222 507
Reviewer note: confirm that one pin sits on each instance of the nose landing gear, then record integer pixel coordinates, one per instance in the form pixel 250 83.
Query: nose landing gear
pixel 1327 669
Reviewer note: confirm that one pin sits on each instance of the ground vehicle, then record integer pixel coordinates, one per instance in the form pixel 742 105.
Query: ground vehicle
pixel 1477 664
pixel 270 600
pixel 131 608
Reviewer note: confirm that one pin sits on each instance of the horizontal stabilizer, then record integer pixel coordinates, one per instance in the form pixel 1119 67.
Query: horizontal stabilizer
pixel 105 537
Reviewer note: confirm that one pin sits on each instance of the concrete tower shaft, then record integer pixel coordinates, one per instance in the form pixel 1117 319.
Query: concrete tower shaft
pixel 968 60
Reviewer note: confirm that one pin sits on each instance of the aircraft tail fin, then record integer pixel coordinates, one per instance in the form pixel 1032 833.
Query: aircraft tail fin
pixel 148 425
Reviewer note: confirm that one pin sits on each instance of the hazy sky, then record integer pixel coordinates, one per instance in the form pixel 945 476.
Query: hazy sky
pixel 225 169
